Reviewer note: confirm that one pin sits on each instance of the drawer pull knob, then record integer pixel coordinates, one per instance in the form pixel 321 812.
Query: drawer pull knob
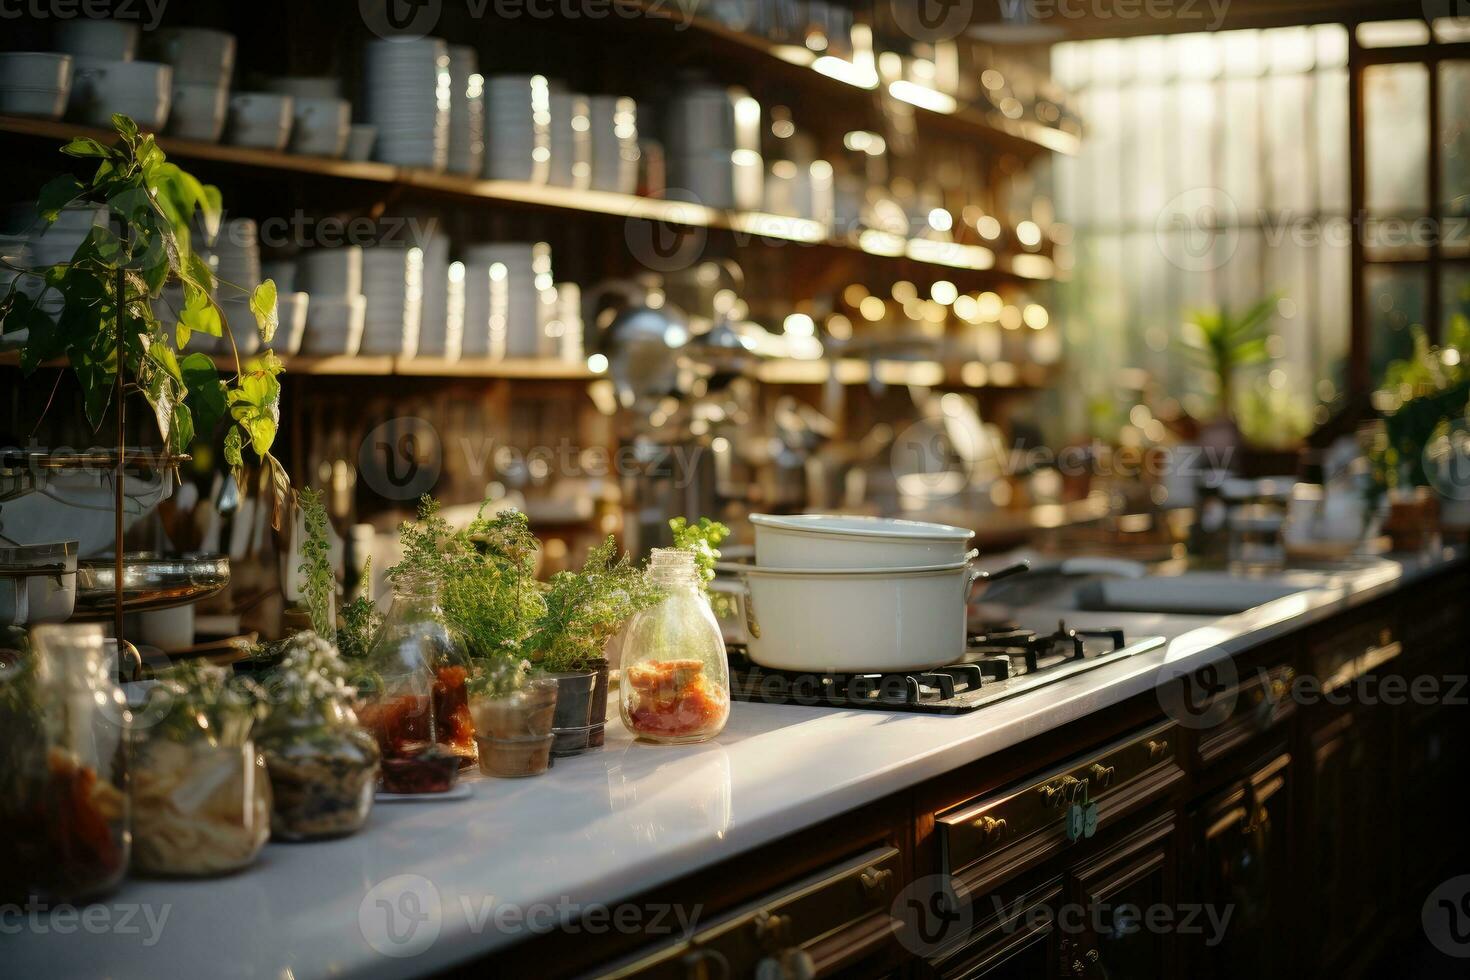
pixel 991 828
pixel 1103 775
pixel 875 880
pixel 1157 748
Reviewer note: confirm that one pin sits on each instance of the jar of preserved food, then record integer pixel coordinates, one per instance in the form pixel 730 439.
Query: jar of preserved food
pixel 419 664
pixel 200 793
pixel 676 681
pixel 64 828
pixel 323 766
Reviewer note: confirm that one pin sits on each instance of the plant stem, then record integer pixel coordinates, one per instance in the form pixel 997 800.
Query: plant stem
pixel 119 499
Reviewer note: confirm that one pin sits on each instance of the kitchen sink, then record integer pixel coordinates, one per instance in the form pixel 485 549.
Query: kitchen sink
pixel 1191 593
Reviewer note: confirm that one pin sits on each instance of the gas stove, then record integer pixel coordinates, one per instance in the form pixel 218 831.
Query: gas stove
pixel 1000 663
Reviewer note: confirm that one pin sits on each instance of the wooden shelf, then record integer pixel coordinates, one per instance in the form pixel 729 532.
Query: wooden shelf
pixel 971 258
pixel 1027 137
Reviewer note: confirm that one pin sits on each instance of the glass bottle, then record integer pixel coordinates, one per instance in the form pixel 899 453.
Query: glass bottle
pixel 676 680
pixel 322 765
pixel 420 664
pixel 64 820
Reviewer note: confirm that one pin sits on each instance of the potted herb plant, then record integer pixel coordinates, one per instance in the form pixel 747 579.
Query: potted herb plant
pixel 513 711
pixel 584 610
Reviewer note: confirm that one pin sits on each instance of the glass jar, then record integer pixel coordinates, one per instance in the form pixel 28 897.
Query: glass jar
pixel 323 766
pixel 676 680
pixel 200 792
pixel 421 665
pixel 64 827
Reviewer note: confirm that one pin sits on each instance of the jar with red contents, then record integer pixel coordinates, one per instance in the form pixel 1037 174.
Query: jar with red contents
pixel 419 709
pixel 676 681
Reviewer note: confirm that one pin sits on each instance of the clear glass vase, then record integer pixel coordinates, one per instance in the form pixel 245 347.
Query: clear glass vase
pixel 64 822
pixel 420 664
pixel 676 680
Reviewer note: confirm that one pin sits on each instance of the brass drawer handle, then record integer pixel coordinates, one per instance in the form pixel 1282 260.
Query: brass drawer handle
pixel 875 880
pixel 1065 790
pixel 991 828
pixel 1103 775
pixel 1157 748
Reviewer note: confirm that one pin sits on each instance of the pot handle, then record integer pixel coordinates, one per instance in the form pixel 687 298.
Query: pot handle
pixel 979 576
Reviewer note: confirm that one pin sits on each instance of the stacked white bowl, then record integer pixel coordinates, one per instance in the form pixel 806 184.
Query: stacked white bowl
pixel 565 326
pixel 518 121
pixel 613 120
pixel 407 97
pixel 321 120
pixel 35 83
pixel 712 136
pixel 433 333
pixel 203 62
pixel 105 40
pixel 140 89
pixel 235 255
pixel 856 594
pixel 261 120
pixel 393 282
pixel 332 277
pixel 466 112
pixel 519 276
pixel 571 140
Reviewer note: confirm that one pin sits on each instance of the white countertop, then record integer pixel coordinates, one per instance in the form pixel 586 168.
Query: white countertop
pixel 597 829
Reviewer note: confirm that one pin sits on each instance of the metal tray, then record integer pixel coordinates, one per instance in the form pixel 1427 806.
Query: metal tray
pixel 150 581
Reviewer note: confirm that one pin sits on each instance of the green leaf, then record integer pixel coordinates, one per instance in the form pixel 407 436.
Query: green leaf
pixel 57 194
pixel 263 305
pixel 158 389
pixel 200 314
pixel 183 428
pixel 212 206
pixel 233 444
pixel 206 390
pixel 125 127
pixel 84 147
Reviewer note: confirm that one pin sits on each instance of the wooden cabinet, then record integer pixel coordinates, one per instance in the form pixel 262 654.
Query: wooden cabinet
pixel 1131 919
pixel 1239 859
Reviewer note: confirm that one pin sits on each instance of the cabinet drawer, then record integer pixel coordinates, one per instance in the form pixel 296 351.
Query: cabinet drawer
pixel 818 925
pixel 1016 826
pixel 1258 704
pixel 1352 652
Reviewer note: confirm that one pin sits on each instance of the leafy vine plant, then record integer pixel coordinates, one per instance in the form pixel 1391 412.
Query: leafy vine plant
pixel 147 244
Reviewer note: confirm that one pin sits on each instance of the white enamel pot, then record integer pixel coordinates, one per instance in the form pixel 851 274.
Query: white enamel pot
pixel 865 620
pixel 817 541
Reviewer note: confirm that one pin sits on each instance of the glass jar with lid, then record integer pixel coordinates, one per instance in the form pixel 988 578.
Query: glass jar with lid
pixel 64 822
pixel 676 681
pixel 418 708
pixel 322 765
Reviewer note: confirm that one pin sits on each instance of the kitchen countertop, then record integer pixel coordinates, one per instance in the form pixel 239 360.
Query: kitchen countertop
pixel 427 885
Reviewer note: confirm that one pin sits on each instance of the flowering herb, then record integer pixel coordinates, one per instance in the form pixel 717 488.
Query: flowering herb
pixel 196 700
pixel 312 673
pixel 359 622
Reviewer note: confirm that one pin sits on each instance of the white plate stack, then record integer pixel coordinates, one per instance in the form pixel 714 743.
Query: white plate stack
pixel 453 313
pixel 393 282
pixel 466 112
pixel 15 253
pixel 518 124
pixel 332 277
pixel 614 123
pixel 565 327
pixel 236 261
pixel 508 287
pixel 712 136
pixel 571 140
pixel 203 62
pixel 433 335
pixel 407 97
pixel 58 243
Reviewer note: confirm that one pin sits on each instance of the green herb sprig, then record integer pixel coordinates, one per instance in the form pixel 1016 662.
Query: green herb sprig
pixel 319 581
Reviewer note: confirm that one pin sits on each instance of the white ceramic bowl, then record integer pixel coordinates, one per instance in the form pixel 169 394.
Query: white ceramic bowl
pixel 199 55
pixel 41 103
pixel 845 621
pixel 334 325
pixel 35 70
pixel 834 541
pixel 38 583
pixel 140 89
pixel 77 504
pixel 198 111
pixel 88 37
pixel 320 127
pixel 260 119
pixel 360 141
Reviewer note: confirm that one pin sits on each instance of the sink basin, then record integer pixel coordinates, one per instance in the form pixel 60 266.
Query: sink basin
pixel 1193 593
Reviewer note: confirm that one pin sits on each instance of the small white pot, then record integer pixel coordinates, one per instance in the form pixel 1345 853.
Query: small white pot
pixel 260 119
pixel 845 621
pixel 823 541
pixel 320 126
